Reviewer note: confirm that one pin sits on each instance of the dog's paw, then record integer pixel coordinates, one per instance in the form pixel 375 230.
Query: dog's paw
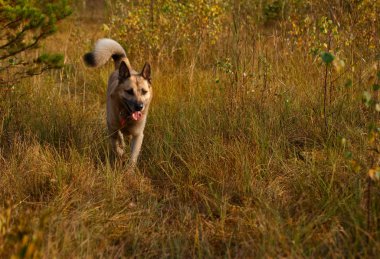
pixel 131 168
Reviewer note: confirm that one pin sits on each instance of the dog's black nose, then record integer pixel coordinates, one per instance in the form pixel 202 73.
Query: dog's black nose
pixel 139 106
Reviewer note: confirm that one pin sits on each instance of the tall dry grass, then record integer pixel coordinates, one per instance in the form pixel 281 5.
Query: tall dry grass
pixel 229 167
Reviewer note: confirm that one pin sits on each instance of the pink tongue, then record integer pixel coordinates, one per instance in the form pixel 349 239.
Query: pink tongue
pixel 136 116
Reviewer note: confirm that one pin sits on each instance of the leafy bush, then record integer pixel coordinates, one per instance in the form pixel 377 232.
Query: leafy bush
pixel 24 24
pixel 166 27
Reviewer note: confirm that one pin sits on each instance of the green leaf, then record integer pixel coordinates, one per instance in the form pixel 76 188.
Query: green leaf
pixel 53 60
pixel 376 87
pixel 372 127
pixel 327 57
pixel 348 83
pixel 347 155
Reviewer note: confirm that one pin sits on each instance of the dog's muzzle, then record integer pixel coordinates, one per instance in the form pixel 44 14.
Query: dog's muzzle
pixel 133 106
pixel 134 109
pixel 139 106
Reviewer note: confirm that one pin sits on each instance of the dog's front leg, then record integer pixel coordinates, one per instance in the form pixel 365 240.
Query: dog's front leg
pixel 118 144
pixel 136 147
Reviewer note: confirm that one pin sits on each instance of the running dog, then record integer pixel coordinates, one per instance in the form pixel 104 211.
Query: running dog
pixel 129 94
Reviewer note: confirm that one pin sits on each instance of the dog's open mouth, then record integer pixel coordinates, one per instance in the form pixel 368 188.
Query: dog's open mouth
pixel 136 116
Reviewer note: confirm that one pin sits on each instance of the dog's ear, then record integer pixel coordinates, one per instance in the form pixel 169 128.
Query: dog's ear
pixel 124 72
pixel 145 73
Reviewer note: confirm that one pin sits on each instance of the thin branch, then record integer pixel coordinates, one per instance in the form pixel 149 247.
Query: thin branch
pixel 15 38
pixel 10 23
pixel 41 36
pixel 18 76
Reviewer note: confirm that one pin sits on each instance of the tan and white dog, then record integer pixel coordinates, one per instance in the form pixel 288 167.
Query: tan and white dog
pixel 128 96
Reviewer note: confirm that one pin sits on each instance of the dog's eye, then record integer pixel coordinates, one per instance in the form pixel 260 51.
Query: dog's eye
pixel 143 91
pixel 130 91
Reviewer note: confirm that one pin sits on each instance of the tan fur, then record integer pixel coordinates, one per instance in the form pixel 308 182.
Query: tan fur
pixel 127 89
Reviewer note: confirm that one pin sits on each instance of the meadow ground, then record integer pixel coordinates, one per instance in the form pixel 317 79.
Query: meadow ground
pixel 230 167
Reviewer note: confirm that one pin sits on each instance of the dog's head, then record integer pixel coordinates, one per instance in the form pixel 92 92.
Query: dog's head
pixel 134 90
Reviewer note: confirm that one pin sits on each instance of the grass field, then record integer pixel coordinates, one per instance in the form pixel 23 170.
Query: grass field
pixel 234 164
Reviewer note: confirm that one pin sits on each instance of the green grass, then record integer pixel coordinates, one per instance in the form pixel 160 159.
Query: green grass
pixel 226 170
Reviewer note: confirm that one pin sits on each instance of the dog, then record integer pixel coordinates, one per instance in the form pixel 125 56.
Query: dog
pixel 129 94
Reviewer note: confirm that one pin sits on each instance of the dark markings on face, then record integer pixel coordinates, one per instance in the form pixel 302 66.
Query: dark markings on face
pixel 136 86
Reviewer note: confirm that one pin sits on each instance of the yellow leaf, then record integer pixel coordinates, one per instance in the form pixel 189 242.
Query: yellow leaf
pixel 374 173
pixel 105 27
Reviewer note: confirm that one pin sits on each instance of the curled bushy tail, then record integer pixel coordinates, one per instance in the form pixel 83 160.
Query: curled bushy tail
pixel 103 50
